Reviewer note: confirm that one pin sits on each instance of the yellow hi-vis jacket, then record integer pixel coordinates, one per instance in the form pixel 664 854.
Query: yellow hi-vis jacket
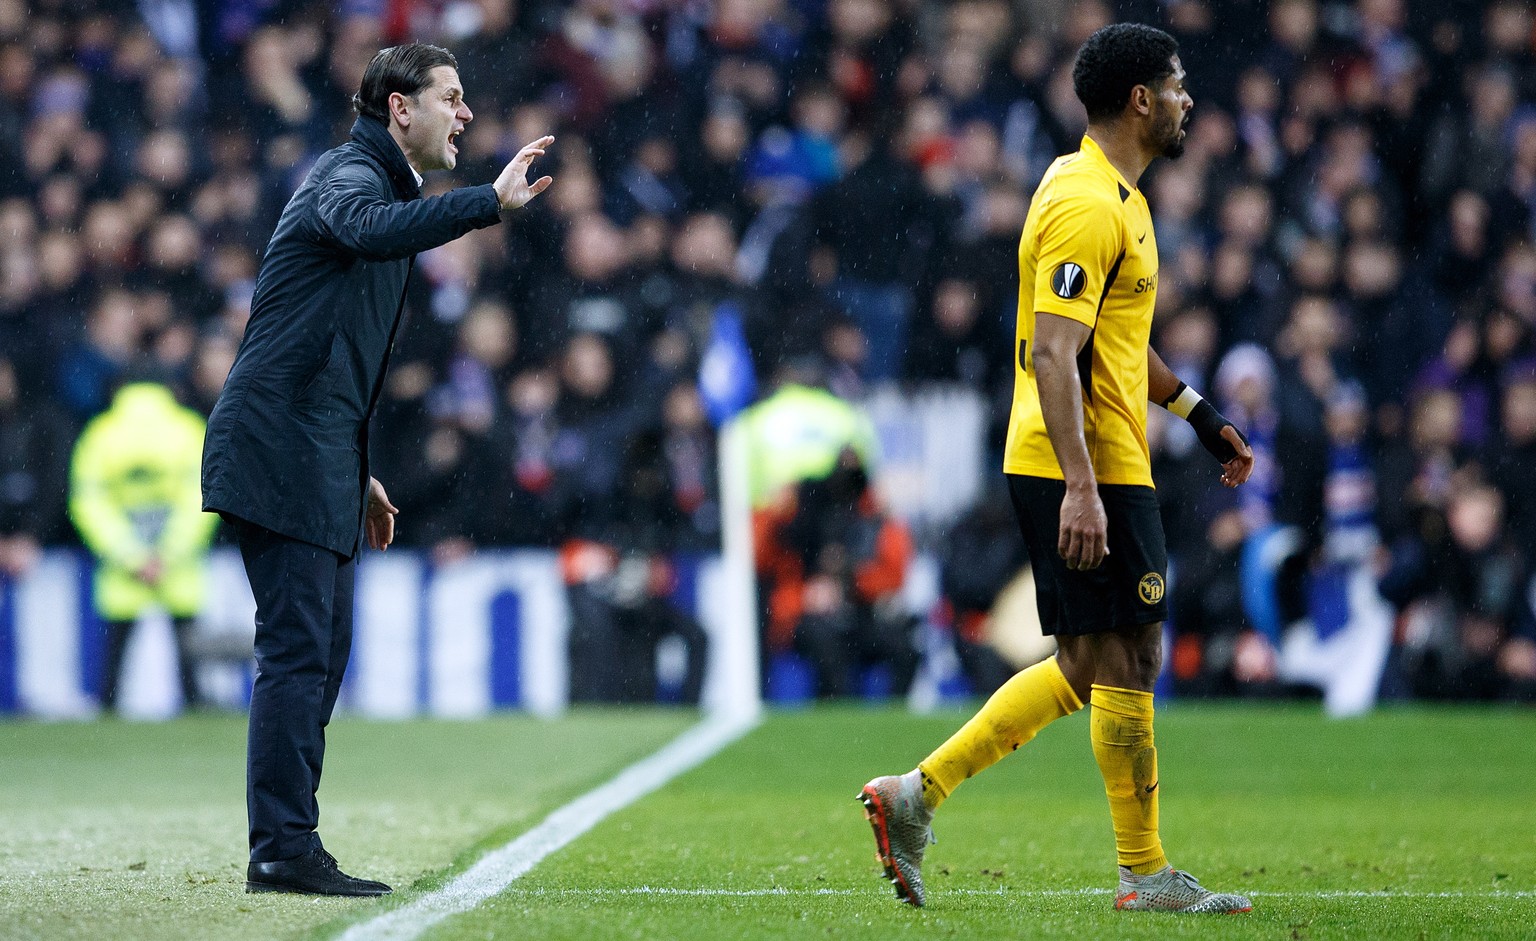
pixel 797 433
pixel 135 495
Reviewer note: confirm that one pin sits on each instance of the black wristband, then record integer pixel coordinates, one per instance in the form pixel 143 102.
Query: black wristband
pixel 1208 423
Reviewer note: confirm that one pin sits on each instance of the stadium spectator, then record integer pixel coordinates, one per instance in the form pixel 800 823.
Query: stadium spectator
pixel 1312 364
pixel 953 342
pixel 712 164
pixel 34 459
pixel 834 564
pixel 874 220
pixel 113 337
pixel 1417 469
pixel 981 554
pixel 1212 630
pixel 622 575
pixel 1511 460
pixel 135 498
pixel 700 275
pixel 594 416
pixel 591 293
pixel 796 432
pixel 211 361
pixel 1349 530
pixel 523 442
pixel 450 481
pixel 1472 606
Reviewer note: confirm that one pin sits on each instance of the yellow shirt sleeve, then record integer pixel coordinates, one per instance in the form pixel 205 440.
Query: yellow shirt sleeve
pixel 1080 243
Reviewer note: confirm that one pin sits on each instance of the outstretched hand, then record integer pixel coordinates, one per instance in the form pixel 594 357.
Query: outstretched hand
pixel 379 525
pixel 1236 470
pixel 512 186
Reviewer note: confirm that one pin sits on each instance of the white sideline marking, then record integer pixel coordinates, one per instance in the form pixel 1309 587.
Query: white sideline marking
pixel 1022 893
pixel 498 868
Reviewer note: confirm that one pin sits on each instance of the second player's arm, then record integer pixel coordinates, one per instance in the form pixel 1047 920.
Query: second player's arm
pixel 1083 539
pixel 1215 432
pixel 1162 384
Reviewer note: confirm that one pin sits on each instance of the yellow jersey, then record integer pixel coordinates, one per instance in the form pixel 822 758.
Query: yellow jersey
pixel 1088 253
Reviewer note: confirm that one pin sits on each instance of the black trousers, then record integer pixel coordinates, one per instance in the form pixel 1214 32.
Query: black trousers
pixel 303 638
pixel 118 633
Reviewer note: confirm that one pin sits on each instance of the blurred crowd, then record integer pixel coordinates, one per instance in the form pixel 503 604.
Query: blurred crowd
pixel 1348 269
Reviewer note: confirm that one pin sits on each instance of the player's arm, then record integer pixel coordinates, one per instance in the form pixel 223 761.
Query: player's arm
pixel 1083 540
pixel 1216 433
pixel 1076 257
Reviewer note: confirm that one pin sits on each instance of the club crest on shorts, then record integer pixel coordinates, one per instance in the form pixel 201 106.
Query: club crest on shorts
pixel 1150 588
pixel 1069 280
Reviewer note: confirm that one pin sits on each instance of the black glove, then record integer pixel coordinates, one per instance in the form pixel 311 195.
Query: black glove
pixel 1207 422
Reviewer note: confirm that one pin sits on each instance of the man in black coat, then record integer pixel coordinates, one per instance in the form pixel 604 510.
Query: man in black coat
pixel 285 460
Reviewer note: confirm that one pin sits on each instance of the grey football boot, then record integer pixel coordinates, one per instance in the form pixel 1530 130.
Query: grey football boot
pixel 894 806
pixel 1172 890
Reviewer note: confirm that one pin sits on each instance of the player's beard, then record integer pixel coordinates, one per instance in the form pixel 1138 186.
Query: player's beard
pixel 1173 145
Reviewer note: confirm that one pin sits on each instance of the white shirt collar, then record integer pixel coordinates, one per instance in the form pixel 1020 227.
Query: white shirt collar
pixel 416 175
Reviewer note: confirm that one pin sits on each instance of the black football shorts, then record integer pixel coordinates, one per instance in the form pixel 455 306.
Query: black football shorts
pixel 1129 589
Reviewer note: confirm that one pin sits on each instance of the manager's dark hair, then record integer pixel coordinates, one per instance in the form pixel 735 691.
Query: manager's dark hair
pixel 1116 59
pixel 406 69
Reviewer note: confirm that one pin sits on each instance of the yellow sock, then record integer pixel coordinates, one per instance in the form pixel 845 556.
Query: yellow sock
pixel 1122 744
pixel 1027 703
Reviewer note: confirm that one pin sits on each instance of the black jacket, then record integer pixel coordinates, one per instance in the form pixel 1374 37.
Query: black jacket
pixel 287 444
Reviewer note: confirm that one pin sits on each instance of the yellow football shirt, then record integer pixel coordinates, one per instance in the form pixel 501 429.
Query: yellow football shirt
pixel 1088 253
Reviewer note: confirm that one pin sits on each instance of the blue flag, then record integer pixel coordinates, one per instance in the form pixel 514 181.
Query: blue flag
pixel 726 380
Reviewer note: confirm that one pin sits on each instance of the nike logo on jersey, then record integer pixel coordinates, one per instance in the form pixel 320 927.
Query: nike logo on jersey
pixel 1141 238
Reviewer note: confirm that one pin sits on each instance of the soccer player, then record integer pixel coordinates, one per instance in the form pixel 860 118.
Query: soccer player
pixel 1080 478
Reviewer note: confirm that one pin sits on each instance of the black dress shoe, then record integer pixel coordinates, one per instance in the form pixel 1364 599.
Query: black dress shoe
pixel 314 873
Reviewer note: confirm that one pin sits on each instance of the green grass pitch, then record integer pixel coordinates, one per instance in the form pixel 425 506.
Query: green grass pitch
pixel 1412 823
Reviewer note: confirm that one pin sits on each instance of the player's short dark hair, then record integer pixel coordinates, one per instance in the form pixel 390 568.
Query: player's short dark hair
pixel 1116 59
pixel 406 69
